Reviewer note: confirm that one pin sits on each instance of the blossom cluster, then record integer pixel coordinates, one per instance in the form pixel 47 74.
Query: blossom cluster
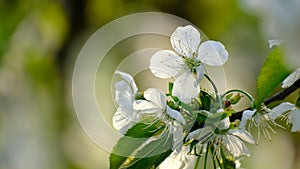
pixel 199 123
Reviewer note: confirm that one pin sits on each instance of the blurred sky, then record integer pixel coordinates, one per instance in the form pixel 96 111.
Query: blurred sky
pixel 41 39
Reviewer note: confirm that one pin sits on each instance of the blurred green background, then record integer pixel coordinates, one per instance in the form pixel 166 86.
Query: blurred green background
pixel 41 39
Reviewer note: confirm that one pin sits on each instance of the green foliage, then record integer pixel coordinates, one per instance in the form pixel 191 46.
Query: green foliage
pixel 205 100
pixel 152 154
pixel 141 147
pixel 186 107
pixel 271 75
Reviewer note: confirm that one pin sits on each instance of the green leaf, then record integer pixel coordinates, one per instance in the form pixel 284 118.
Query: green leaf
pixel 141 147
pixel 132 140
pixel 151 162
pixel 271 75
pixel 152 154
pixel 161 158
pixel 187 107
pixel 205 100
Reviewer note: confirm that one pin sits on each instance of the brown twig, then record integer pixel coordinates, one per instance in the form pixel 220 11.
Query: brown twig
pixel 276 97
pixel 283 94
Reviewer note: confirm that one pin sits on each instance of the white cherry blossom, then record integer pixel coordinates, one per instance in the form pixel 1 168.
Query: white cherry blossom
pixel 232 140
pixel 181 160
pixel 291 79
pixel 290 112
pixel 264 120
pixel 186 62
pixel 292 115
pixel 125 116
pixel 155 105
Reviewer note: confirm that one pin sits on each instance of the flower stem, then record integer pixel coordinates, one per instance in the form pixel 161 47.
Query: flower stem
pixel 206 156
pixel 252 100
pixel 214 163
pixel 219 163
pixel 218 97
pixel 197 162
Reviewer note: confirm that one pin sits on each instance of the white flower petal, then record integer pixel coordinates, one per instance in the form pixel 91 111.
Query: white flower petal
pixel 157 97
pixel 185 40
pixel 274 42
pixel 245 150
pixel 280 109
pixel 175 115
pixel 184 87
pixel 194 135
pixel 166 64
pixel 177 132
pixel 200 71
pixel 243 134
pixel 291 79
pixel 124 119
pixel 125 116
pixel 294 118
pixel 124 94
pixel 212 53
pixel 235 146
pixel 146 107
pixel 202 134
pixel 129 79
pixel 238 164
pixel 247 115
pixel 179 160
pixel 223 124
pixel 229 143
pixel 171 163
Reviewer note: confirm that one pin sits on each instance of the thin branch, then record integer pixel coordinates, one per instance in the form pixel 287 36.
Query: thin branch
pixel 276 97
pixel 237 115
pixel 283 94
